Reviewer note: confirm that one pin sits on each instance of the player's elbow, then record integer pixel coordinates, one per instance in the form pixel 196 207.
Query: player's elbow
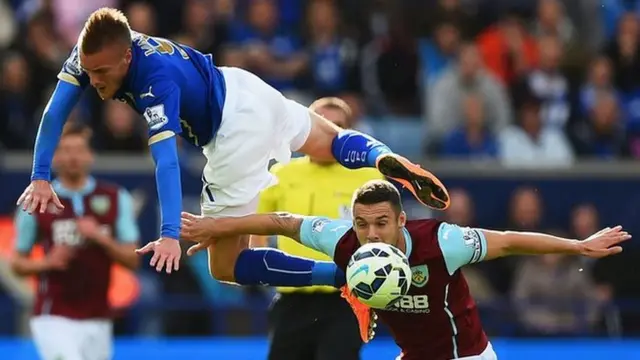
pixel 499 244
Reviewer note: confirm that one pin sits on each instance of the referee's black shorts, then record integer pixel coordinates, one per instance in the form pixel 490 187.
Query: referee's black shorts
pixel 313 326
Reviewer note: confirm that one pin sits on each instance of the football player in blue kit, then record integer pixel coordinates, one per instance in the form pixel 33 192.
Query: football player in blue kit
pixel 238 121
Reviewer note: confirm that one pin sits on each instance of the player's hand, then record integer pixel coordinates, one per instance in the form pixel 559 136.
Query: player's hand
pixel 198 229
pixel 37 196
pixel 58 258
pixel 604 243
pixel 89 228
pixel 166 254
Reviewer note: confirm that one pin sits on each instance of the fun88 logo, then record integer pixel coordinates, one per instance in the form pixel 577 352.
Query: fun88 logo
pixel 415 304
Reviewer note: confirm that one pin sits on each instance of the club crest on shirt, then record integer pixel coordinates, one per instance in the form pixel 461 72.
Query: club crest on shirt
pixel 318 224
pixel 100 204
pixel 419 275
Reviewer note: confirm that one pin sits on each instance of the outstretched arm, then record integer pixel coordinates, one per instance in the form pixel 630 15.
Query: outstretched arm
pixel 463 245
pixel 64 98
pixel 318 233
pixel 505 243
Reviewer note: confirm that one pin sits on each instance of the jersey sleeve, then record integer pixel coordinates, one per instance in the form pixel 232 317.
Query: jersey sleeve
pixel 461 245
pixel 126 227
pixel 160 105
pixel 322 234
pixel 26 231
pixel 72 72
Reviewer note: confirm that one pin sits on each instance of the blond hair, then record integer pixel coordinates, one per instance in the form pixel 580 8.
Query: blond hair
pixel 333 103
pixel 104 27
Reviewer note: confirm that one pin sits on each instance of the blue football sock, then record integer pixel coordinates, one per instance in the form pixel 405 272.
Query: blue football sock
pixel 264 266
pixel 354 150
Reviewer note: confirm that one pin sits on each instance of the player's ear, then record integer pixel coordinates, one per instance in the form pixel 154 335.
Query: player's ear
pixel 128 56
pixel 402 219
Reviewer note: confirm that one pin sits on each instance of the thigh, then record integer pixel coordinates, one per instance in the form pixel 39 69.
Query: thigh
pixel 56 338
pixel 223 255
pixel 291 336
pixel 98 340
pixel 340 337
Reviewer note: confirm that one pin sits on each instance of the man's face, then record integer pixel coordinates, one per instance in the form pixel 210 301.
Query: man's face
pixel 378 223
pixel 73 158
pixel 107 68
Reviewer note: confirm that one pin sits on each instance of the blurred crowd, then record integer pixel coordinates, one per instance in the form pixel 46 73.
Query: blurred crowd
pixel 526 82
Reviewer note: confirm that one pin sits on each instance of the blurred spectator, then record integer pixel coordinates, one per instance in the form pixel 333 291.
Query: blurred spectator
pixel 603 135
pixel 8 26
pixel 530 144
pixel 268 51
pixel 452 11
pixel 548 83
pixel 334 58
pixel 624 52
pixel 17 124
pixel 70 16
pixel 599 80
pixel 121 132
pixel 525 210
pixel 468 76
pixel 203 28
pixel 473 140
pixel 397 68
pixel 142 18
pixel 551 20
pixel 507 49
pixel 585 221
pixel 553 296
pixel 437 52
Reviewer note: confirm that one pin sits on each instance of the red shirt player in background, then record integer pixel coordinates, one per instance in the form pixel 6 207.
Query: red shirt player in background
pixel 95 228
pixel 437 319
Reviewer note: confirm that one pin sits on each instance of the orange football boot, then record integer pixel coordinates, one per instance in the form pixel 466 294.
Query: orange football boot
pixel 425 186
pixel 366 317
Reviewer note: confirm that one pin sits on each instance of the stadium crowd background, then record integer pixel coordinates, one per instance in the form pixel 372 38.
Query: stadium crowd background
pixel 531 108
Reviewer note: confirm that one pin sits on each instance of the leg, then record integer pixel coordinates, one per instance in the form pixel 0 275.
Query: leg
pixel 354 150
pixel 232 260
pixel 98 340
pixel 56 338
pixel 292 331
pixel 339 338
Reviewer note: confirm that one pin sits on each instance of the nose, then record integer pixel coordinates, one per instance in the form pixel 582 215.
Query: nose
pixel 372 234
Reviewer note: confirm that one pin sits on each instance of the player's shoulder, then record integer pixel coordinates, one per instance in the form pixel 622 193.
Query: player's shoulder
pixel 108 187
pixel 423 227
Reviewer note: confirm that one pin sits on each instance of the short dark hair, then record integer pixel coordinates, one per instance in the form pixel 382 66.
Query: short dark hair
pixel 378 191
pixel 104 26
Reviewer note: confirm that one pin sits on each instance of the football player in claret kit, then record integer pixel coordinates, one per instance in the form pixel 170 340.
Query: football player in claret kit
pixel 239 122
pixel 437 319
pixel 95 229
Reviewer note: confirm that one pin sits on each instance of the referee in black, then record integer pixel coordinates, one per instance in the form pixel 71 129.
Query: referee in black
pixel 313 323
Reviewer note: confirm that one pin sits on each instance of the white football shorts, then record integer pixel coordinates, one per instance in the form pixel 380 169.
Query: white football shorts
pixel 58 337
pixel 258 124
